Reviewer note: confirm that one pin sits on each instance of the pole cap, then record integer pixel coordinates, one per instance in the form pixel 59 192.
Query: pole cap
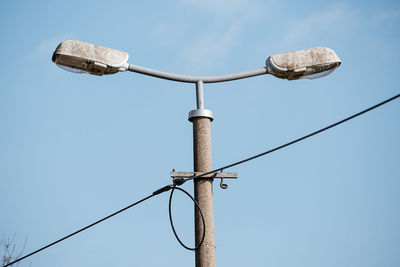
pixel 201 113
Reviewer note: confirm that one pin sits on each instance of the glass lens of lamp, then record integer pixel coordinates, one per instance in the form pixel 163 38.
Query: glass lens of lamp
pixel 319 71
pixel 72 69
pixel 72 64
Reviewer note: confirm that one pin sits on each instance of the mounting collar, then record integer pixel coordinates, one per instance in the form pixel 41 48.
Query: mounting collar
pixel 201 113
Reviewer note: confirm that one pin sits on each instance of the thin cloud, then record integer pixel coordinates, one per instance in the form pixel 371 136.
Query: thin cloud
pixel 229 20
pixel 168 33
pixel 46 47
pixel 383 16
pixel 226 8
pixel 332 20
pixel 212 46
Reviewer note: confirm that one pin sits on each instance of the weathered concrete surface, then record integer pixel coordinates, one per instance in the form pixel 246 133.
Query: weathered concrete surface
pixel 108 56
pixel 203 192
pixel 307 57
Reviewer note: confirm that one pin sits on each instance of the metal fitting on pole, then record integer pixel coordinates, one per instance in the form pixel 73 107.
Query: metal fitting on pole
pixel 200 111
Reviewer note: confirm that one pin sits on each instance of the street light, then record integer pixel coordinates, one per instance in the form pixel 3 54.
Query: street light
pixel 310 63
pixel 81 57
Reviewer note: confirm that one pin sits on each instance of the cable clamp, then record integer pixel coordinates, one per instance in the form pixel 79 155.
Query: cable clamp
pixel 178 181
pixel 181 177
pixel 162 189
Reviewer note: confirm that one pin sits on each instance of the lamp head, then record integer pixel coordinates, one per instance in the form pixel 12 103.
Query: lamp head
pixel 310 63
pixel 81 57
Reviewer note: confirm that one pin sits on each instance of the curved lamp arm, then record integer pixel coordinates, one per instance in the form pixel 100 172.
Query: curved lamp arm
pixel 83 57
pixel 195 79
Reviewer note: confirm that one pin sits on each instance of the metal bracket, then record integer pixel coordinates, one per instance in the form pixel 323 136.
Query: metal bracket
pixel 179 176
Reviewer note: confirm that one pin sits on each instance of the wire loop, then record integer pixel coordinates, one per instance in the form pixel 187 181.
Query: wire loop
pixel 172 223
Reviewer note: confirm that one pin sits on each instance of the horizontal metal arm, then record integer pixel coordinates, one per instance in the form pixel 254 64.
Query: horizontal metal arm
pixel 194 79
pixel 225 175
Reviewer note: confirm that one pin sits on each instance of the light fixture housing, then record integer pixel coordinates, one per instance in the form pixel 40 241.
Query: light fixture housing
pixel 81 57
pixel 309 64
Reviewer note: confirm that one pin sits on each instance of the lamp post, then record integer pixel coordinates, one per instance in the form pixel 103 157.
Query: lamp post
pixel 311 63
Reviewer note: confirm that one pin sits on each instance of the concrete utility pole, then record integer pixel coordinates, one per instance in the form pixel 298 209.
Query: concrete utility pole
pixel 203 188
pixel 203 192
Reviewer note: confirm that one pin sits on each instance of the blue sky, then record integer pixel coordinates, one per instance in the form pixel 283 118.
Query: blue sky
pixel 74 148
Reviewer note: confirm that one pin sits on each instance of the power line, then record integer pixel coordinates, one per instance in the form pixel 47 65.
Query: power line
pixel 157 192
pixel 180 181
pixel 163 189
pixel 290 143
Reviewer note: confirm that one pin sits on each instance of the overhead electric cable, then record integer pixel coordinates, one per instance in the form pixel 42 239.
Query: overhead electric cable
pixel 157 192
pixel 163 189
pixel 181 181
pixel 292 142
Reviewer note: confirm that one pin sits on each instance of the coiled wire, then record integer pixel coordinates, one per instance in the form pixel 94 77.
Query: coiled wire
pixel 172 223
